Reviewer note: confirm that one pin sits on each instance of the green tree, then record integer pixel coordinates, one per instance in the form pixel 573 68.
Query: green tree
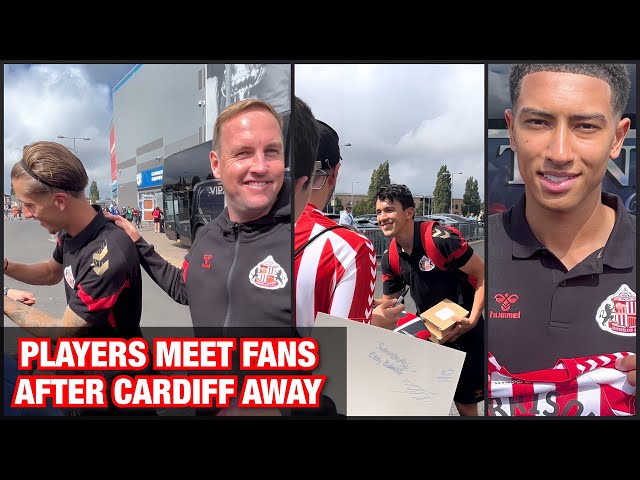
pixel 471 196
pixel 94 193
pixel 442 191
pixel 13 192
pixel 339 207
pixel 379 177
pixel 361 207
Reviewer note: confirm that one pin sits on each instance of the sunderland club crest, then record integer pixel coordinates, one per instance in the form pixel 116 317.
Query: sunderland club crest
pixel 68 276
pixel 426 264
pixel 268 274
pixel 617 314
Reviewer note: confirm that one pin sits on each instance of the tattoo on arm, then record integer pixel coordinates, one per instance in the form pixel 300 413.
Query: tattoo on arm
pixel 34 320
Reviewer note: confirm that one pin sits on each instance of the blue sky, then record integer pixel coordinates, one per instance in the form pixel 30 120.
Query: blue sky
pixel 42 101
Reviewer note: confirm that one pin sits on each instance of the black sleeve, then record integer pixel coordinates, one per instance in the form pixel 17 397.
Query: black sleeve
pixel 100 283
pixel 391 282
pixel 454 251
pixel 166 276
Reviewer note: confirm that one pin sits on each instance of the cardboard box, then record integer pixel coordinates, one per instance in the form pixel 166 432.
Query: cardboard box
pixel 438 319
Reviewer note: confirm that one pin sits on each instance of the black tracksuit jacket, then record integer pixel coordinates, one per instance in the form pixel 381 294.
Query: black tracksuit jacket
pixel 235 275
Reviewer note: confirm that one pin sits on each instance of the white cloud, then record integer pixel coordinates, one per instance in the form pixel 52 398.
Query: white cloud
pixel 44 101
pixel 418 117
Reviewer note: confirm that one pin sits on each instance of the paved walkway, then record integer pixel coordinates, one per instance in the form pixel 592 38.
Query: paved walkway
pixel 172 252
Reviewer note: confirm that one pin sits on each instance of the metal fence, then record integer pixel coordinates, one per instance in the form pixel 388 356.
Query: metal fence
pixel 471 231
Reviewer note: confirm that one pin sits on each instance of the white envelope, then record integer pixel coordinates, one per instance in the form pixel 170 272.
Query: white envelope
pixel 387 374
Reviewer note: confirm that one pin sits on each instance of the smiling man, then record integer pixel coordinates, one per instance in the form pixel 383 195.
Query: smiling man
pixel 562 260
pixel 238 270
pixel 437 264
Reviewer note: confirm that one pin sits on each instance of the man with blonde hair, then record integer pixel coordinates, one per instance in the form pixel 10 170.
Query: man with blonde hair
pixel 238 270
pixel 96 259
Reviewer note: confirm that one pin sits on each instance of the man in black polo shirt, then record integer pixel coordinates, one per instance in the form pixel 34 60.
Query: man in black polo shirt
pixel 449 270
pixel 97 260
pixel 562 277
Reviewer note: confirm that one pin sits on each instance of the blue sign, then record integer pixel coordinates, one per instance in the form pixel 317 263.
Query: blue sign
pixel 150 178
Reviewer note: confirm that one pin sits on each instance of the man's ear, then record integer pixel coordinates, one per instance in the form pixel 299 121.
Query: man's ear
pixel 411 211
pixel 61 200
pixel 621 132
pixel 509 116
pixel 333 178
pixel 299 185
pixel 215 163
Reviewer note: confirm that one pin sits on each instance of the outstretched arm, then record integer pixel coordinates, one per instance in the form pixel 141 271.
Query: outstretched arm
pixel 42 273
pixel 41 324
pixel 474 268
pixel 164 274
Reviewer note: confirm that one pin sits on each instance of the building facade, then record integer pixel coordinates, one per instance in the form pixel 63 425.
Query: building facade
pixel 157 111
pixel 162 109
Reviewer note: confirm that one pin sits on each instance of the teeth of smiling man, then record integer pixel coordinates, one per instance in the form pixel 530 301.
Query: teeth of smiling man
pixel 257 184
pixel 556 179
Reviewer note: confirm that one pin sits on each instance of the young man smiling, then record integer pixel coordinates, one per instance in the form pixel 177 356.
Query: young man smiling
pixel 448 268
pixel 562 260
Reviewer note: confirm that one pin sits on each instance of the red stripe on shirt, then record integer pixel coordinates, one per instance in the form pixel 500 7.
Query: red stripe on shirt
pixel 185 267
pixel 100 303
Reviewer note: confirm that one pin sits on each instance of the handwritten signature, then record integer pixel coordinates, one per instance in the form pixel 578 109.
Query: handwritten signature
pixel 389 359
pixel 445 375
pixel 417 392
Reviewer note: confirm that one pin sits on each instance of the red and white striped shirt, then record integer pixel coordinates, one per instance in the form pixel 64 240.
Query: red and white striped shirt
pixel 335 274
pixel 585 386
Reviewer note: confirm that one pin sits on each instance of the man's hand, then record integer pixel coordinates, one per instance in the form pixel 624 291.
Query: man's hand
pixel 125 225
pixel 21 296
pixel 628 364
pixel 464 324
pixel 386 314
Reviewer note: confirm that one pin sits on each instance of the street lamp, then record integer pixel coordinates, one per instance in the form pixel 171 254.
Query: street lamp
pixel 352 182
pixel 333 202
pixel 451 174
pixel 74 141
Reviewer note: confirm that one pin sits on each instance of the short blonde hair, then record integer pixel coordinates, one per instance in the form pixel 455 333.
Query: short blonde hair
pixel 236 109
pixel 52 167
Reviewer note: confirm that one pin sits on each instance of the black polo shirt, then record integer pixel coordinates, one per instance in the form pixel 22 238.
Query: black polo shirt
pixel 432 280
pixel 102 278
pixel 539 312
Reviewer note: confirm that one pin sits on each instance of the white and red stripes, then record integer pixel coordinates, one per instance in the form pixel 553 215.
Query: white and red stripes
pixel 573 387
pixel 335 274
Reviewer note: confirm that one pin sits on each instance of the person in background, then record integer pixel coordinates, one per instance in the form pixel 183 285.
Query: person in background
pixel 346 217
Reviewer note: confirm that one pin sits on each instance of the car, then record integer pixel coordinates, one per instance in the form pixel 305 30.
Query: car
pixel 442 219
pixel 457 218
pixel 366 220
pixel 332 216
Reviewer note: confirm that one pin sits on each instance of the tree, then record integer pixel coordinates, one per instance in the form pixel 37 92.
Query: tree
pixel 94 193
pixel 338 204
pixel 379 177
pixel 442 191
pixel 361 207
pixel 471 196
pixel 13 192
